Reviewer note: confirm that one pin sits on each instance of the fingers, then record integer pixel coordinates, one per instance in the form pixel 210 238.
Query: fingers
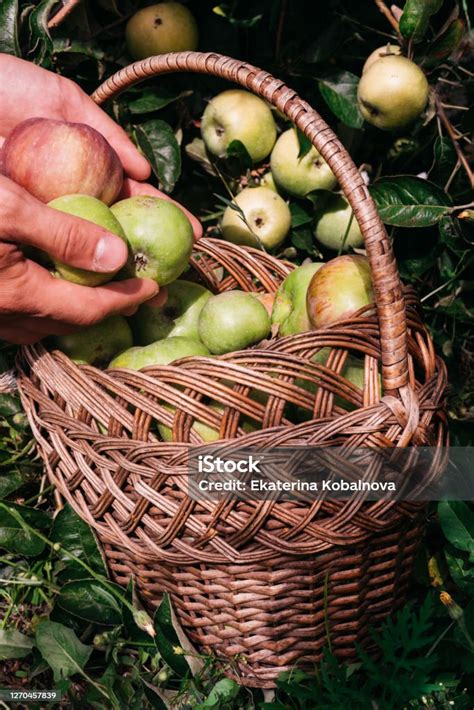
pixel 132 187
pixel 134 164
pixel 70 304
pixel 69 239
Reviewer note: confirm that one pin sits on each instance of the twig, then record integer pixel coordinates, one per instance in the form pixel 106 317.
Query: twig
pixel 281 24
pixel 386 12
pixel 62 13
pixel 452 133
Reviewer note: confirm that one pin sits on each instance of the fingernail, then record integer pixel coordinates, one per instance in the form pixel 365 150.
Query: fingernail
pixel 159 300
pixel 110 254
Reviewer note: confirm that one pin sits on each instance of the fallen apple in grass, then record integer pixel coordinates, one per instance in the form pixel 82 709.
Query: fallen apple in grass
pixel 233 320
pixel 160 237
pixel 96 344
pixel 392 92
pixel 267 219
pixel 161 28
pixel 299 175
pixel 336 227
pixel 161 353
pixel 338 289
pixel 95 211
pixel 242 116
pixel 53 158
pixel 289 309
pixel 179 316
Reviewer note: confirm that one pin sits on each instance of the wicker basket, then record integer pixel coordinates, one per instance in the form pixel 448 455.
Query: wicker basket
pixel 261 584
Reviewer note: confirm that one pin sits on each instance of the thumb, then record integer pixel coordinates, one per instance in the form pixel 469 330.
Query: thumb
pixel 72 240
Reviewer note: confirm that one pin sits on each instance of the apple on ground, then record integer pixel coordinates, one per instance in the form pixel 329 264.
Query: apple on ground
pixel 161 28
pixel 267 219
pixel 179 316
pixel 93 210
pixel 289 309
pixel 96 344
pixel 386 51
pixel 52 158
pixel 233 320
pixel 160 237
pixel 338 289
pixel 160 353
pixel 267 180
pixel 299 175
pixel 336 227
pixel 238 115
pixel 392 92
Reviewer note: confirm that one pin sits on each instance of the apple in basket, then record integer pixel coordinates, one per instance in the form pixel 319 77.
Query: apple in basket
pixel 178 316
pixel 338 289
pixel 289 311
pixel 96 344
pixel 68 158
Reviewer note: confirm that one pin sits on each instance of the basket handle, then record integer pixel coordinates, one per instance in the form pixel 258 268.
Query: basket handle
pixel 386 281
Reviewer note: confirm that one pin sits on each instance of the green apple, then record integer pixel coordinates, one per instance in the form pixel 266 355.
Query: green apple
pixel 338 289
pixel 160 237
pixel 95 211
pixel 203 431
pixel 178 316
pixel 160 353
pixel 267 219
pixel 242 116
pixel 392 92
pixel 96 344
pixel 336 228
pixel 296 175
pixel 233 320
pixel 387 51
pixel 289 309
pixel 161 28
pixel 267 180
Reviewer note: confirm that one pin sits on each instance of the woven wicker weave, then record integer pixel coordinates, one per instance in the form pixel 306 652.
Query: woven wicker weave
pixel 261 584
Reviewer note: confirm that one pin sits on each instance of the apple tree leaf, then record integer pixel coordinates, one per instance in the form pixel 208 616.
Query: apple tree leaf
pixel 159 144
pixel 445 45
pixel 408 201
pixel 236 149
pixel 14 644
pixel 16 534
pixel 155 99
pixel 9 27
pixel 339 90
pixel 42 44
pixel 416 17
pixel 167 639
pixel 61 649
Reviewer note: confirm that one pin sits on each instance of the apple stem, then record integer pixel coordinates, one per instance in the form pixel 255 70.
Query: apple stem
pixel 386 12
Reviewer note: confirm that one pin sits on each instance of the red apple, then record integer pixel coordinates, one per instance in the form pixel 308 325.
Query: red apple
pixel 54 158
pixel 338 289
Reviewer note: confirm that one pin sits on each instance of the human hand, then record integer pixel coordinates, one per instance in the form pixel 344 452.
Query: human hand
pixel 33 303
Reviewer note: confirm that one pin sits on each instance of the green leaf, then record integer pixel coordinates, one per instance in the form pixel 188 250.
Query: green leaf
pixel 223 692
pixel 10 482
pixel 457 523
pixel 40 35
pixel 155 99
pixel 303 239
pixel 304 144
pixel 299 216
pixel 406 201
pixel 158 142
pixel 74 535
pixel 15 536
pixel 460 569
pixel 9 27
pixel 13 644
pixel 339 90
pixel 236 149
pixel 416 17
pixel 167 640
pixel 91 601
pixel 446 44
pixel 9 405
pixel 61 649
